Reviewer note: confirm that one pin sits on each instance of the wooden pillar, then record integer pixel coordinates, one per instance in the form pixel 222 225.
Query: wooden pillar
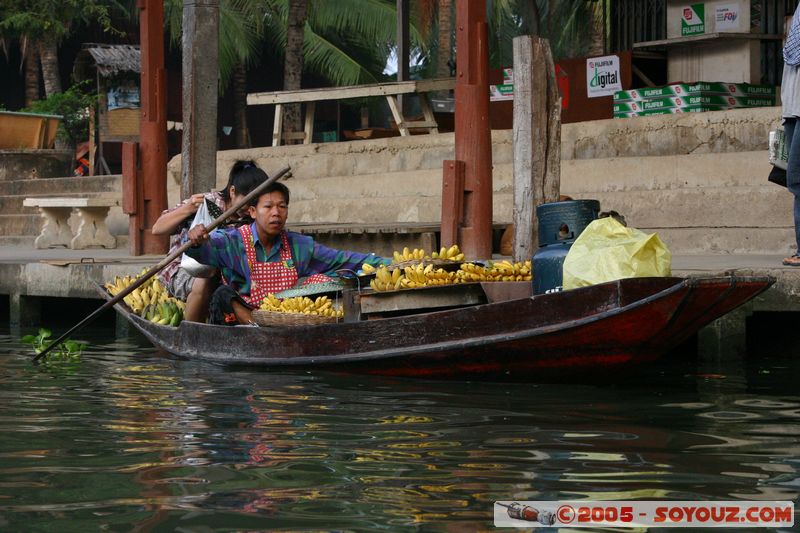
pixel 200 94
pixel 536 139
pixel 153 129
pixel 473 138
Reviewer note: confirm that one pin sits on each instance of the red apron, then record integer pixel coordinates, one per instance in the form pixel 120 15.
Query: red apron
pixel 271 277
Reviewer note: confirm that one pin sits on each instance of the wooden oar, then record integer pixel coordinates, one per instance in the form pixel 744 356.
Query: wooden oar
pixel 164 262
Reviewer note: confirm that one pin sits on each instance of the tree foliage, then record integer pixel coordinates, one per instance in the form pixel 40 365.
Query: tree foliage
pixel 73 105
pixel 241 32
pixel 53 19
pixel 566 24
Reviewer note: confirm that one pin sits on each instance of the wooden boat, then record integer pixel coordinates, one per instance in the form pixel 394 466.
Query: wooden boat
pixel 605 327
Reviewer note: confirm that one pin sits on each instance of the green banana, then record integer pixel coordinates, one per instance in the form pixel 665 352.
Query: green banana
pixel 176 318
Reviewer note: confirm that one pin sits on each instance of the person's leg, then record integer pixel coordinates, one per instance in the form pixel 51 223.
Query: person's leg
pixel 227 308
pixel 793 181
pixel 199 298
pixel 243 313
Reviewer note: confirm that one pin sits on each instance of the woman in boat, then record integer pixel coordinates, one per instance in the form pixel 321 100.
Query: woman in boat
pixel 196 291
pixel 261 258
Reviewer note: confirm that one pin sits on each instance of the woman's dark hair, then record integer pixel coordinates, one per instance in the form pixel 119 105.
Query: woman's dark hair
pixel 244 177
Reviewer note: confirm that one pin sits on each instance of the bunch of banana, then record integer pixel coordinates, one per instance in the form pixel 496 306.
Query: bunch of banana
pixel 150 292
pixel 496 271
pixel 470 272
pixel 322 306
pixel 166 313
pixel 508 271
pixel 416 254
pixel 366 268
pixel 421 275
pixel 118 285
pixel 449 254
pixel 386 280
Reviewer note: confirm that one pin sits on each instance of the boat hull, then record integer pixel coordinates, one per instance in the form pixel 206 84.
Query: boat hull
pixel 600 328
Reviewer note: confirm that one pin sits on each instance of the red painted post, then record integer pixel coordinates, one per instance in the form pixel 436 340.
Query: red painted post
pixel 473 136
pixel 452 201
pixel 132 195
pixel 153 128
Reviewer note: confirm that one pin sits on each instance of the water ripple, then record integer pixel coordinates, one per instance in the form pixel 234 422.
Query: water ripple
pixel 129 440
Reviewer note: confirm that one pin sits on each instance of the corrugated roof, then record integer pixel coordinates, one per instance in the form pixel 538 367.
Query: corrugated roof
pixel 113 58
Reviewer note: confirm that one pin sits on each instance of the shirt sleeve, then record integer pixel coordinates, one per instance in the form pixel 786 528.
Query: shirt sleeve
pixel 215 251
pixel 327 260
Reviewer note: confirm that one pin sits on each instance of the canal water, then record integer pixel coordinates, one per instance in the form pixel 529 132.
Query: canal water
pixel 130 440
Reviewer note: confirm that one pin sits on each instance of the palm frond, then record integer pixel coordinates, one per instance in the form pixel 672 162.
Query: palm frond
pixel 334 64
pixel 370 21
pixel 239 35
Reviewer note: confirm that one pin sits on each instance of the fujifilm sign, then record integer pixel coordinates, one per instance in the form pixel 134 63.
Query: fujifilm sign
pixel 602 76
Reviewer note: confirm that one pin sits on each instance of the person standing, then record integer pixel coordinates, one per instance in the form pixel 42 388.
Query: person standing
pixel 790 112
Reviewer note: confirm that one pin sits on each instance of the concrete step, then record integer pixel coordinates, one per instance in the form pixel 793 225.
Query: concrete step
pixel 720 240
pixel 31 164
pixel 728 131
pixel 729 207
pixel 31 223
pixel 27 241
pixel 12 205
pixel 355 158
pixel 67 186
pixel 24 241
pixel 20 224
pixel 731 131
pixel 383 210
pixel 691 172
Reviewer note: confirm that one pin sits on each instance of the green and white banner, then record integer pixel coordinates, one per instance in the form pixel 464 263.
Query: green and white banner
pixel 602 76
pixel 693 20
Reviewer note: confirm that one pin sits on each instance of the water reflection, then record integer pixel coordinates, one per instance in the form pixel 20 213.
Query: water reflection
pixel 130 440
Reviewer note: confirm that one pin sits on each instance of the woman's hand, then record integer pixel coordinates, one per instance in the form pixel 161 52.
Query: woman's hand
pixel 168 222
pixel 193 203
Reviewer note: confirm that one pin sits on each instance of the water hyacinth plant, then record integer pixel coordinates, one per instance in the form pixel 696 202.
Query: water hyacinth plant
pixel 68 350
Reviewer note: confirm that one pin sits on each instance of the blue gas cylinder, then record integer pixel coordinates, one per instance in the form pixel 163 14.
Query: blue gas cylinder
pixel 560 223
pixel 548 266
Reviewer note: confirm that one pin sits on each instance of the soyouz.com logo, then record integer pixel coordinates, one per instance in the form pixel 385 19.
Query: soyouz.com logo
pixel 694 514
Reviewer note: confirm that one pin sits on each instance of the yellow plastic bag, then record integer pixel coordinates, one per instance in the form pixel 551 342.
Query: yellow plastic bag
pixel 606 250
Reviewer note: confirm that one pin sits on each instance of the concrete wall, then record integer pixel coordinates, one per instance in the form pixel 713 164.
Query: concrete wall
pixel 24 164
pixel 698 179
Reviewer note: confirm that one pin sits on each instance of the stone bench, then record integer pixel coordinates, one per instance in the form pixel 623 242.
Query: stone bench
pixel 92 229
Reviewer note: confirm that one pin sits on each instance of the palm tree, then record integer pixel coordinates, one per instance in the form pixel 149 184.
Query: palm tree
pixel 345 42
pixel 40 25
pixel 29 62
pixel 565 23
pixel 293 64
